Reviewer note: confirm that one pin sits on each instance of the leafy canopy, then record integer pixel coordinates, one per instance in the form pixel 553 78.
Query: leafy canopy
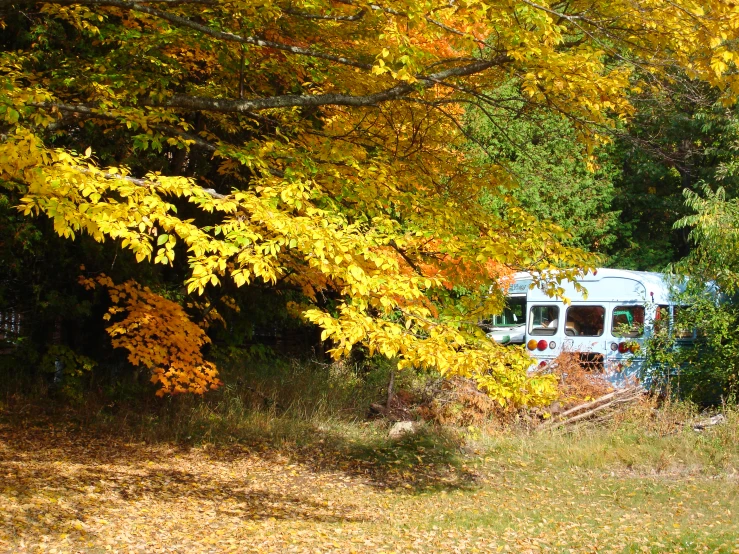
pixel 320 144
pixel 550 168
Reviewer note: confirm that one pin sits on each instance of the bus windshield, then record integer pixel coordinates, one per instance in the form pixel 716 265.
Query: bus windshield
pixel 514 313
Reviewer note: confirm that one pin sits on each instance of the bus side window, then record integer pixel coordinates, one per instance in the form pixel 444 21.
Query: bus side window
pixel 681 333
pixel 662 318
pixel 628 321
pixel 585 321
pixel 544 320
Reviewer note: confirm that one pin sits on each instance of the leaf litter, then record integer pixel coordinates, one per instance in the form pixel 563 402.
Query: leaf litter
pixel 66 490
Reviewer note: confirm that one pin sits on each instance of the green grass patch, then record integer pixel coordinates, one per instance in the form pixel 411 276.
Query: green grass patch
pixel 270 468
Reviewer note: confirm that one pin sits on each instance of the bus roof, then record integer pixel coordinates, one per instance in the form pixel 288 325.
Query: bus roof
pixel 604 285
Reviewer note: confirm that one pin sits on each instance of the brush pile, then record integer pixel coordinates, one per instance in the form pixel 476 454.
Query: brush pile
pixel 599 410
pixel 578 381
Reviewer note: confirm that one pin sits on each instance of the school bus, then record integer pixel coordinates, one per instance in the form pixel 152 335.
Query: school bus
pixel 606 325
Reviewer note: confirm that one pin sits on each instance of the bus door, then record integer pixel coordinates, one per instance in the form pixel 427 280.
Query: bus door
pixel 544 331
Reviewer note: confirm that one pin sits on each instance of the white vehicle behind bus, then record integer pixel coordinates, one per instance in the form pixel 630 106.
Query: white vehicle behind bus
pixel 607 327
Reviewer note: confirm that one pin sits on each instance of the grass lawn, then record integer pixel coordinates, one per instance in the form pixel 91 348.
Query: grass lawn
pixel 642 484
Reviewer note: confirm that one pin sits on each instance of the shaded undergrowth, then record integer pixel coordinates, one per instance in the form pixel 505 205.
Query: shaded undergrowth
pixel 317 415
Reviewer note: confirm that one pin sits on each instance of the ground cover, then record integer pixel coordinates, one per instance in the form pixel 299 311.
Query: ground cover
pixel 646 483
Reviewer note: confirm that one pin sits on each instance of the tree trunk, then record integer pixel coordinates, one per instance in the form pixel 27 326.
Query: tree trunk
pixel 391 389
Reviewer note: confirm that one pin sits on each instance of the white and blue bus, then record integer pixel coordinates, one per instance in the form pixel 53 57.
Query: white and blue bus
pixel 606 325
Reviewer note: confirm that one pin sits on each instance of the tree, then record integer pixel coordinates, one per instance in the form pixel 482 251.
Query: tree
pixel 319 144
pixel 682 136
pixel 704 368
pixel 714 230
pixel 553 180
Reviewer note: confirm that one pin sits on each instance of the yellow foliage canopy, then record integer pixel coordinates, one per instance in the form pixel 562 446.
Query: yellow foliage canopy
pixel 321 145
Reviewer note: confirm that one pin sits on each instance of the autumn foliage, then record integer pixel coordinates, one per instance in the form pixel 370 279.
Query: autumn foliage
pixel 158 335
pixel 322 146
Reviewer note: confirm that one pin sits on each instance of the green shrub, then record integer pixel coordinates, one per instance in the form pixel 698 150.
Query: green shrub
pixel 706 368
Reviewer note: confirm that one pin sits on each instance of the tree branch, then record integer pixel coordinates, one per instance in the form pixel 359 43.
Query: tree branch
pixel 215 33
pixel 81 109
pixel 92 113
pixel 356 17
pixel 141 182
pixel 377 7
pixel 177 2
pixel 226 105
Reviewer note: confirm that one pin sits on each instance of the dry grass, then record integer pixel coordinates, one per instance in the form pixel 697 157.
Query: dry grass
pixel 258 468
pixel 646 484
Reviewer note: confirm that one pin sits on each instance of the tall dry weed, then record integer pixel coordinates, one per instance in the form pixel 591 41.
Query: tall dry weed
pixel 579 381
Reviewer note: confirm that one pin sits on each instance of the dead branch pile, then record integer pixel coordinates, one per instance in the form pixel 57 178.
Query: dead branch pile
pixel 578 382
pixel 457 401
pixel 601 409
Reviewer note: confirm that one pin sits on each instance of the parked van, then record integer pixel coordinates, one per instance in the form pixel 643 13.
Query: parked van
pixel 607 326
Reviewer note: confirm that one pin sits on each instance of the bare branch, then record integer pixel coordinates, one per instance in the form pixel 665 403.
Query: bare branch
pixel 307 100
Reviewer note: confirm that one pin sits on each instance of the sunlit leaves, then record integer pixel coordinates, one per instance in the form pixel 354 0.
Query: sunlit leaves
pixel 159 336
pixel 714 230
pixel 319 147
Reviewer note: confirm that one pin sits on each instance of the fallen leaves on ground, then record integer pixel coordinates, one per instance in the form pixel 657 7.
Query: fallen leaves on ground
pixel 67 490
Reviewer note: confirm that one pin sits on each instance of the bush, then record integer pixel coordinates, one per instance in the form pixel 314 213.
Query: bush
pixel 705 369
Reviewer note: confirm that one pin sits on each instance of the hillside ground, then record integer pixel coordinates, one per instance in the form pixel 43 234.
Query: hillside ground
pixel 275 474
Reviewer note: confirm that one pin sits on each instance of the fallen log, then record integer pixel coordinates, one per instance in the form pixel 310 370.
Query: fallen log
pixel 600 399
pixel 589 409
pixel 710 422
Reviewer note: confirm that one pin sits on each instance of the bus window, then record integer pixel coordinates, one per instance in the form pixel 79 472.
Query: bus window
pixel 628 321
pixel 662 318
pixel 544 320
pixel 681 333
pixel 513 315
pixel 585 321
